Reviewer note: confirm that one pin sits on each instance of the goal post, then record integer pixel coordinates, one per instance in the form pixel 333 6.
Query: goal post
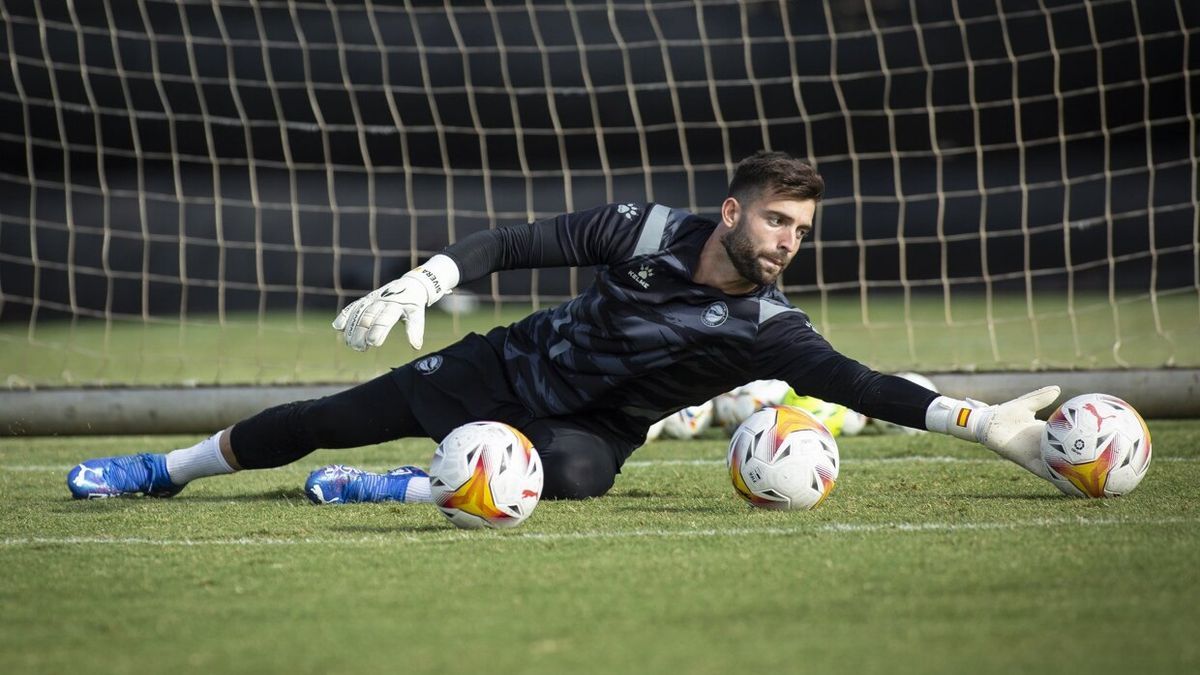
pixel 191 189
pixel 114 411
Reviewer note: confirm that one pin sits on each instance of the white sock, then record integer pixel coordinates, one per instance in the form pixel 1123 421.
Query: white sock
pixel 418 491
pixel 200 460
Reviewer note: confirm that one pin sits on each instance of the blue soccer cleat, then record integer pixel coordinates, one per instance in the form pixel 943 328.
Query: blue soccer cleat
pixel 337 484
pixel 116 476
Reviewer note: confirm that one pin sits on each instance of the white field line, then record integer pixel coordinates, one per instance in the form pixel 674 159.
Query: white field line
pixel 917 459
pixel 491 536
pixel 644 463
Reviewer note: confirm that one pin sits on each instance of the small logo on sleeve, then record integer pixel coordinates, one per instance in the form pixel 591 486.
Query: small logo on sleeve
pixel 630 211
pixel 429 364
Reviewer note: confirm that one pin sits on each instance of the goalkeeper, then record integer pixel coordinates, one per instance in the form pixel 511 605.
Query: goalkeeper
pixel 682 309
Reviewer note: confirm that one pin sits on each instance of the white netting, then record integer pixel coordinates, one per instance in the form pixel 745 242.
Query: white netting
pixel 189 190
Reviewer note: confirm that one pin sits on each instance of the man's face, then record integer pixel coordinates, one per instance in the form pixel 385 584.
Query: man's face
pixel 766 235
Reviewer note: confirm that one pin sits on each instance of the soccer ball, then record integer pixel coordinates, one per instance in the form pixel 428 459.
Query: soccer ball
pixel 783 458
pixel 893 428
pixel 1096 445
pixel 732 408
pixel 655 430
pixel 689 422
pixel 837 418
pixel 725 409
pixel 486 474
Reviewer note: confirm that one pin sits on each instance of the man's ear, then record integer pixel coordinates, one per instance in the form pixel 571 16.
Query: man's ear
pixel 730 210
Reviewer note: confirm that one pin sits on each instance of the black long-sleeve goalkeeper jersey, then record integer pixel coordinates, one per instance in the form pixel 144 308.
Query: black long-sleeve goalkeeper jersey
pixel 645 340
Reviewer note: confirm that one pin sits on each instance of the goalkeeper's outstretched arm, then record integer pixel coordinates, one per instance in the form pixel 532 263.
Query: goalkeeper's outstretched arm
pixel 798 354
pixel 588 237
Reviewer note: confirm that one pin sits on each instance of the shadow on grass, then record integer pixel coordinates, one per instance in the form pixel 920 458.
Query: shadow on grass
pixel 380 529
pixel 285 494
pixel 1024 498
pixel 643 494
pixel 667 508
pixel 96 507
pixel 127 501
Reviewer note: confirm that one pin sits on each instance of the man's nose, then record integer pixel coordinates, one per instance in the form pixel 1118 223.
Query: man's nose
pixel 788 241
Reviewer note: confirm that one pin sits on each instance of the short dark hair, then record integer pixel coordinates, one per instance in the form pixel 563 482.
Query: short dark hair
pixel 775 174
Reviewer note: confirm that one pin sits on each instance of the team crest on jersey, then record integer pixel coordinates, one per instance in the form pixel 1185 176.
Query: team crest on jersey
pixel 642 276
pixel 429 364
pixel 715 314
pixel 630 211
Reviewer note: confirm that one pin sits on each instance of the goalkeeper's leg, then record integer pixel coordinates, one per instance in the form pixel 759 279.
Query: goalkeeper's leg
pixel 578 462
pixel 370 413
pixel 373 412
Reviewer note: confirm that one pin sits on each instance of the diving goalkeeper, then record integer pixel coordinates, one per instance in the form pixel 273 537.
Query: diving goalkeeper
pixel 682 309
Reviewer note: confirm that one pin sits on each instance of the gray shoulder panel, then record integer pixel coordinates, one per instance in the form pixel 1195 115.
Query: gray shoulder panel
pixel 768 310
pixel 652 230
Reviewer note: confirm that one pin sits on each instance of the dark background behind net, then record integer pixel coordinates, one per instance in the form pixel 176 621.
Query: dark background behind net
pixel 216 155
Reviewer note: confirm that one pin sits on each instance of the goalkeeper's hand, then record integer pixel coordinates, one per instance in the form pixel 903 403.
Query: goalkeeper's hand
pixel 366 322
pixel 1009 429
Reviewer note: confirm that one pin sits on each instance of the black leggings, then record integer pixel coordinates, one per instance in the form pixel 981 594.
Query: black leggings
pixel 578 462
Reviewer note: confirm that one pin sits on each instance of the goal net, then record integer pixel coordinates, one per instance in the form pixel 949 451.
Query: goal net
pixel 189 190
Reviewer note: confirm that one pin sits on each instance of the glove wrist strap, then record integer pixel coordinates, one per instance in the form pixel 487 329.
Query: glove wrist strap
pixel 439 275
pixel 956 417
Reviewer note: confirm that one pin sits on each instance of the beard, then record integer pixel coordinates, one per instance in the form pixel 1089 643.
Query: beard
pixel 746 258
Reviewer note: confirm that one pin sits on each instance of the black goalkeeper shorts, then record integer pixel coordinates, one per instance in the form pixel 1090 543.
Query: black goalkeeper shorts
pixel 467 382
pixel 462 383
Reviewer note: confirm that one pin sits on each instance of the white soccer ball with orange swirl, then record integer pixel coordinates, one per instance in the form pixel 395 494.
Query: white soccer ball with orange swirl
pixel 1096 445
pixel 486 474
pixel 783 458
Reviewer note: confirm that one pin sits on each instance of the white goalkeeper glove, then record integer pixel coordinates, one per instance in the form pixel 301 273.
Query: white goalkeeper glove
pixel 1009 429
pixel 366 322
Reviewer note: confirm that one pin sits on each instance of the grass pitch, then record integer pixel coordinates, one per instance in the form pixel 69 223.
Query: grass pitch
pixel 886 333
pixel 929 556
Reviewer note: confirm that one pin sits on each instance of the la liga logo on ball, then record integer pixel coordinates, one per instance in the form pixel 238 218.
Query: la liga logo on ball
pixel 1096 445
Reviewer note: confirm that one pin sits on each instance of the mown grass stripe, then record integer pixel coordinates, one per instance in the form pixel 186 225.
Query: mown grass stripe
pixel 644 463
pixel 457 535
